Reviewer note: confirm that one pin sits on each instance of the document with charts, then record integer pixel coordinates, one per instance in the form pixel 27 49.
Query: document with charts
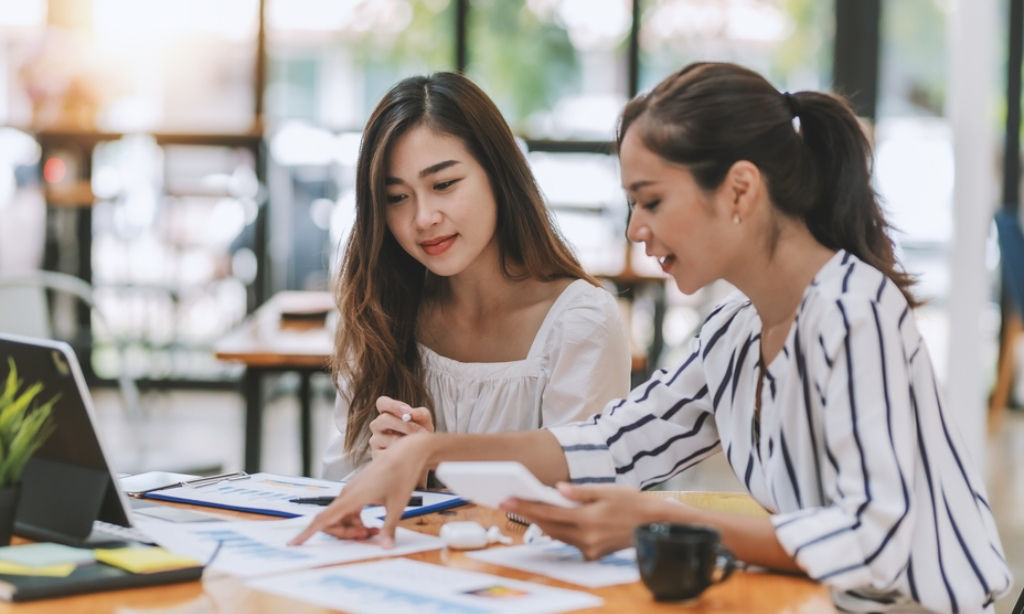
pixel 255 547
pixel 403 585
pixel 269 494
pixel 564 562
pixel 259 493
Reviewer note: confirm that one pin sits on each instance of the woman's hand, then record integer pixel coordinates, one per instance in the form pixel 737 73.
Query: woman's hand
pixel 389 479
pixel 389 426
pixel 603 523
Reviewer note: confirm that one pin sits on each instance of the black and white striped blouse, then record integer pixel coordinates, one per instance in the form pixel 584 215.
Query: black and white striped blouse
pixel 871 488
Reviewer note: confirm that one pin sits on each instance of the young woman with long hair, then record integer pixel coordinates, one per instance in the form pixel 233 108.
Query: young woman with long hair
pixel 457 294
pixel 813 379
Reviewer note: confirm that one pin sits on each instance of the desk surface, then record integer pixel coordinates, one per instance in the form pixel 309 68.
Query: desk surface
pixel 768 592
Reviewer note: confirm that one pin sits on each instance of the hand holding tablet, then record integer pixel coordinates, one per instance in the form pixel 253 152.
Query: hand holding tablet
pixel 492 482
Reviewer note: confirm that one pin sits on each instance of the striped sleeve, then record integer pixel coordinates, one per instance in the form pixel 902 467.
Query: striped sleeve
pixel 862 536
pixel 663 427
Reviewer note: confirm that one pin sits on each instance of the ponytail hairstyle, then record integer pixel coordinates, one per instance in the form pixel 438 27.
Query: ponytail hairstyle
pixel 381 287
pixel 710 115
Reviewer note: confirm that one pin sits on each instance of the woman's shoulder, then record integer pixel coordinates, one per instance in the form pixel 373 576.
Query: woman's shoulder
pixel 581 297
pixel 848 293
pixel 848 284
pixel 582 310
pixel 725 313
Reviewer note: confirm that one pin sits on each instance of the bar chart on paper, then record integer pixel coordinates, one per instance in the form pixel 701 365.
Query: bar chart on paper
pixel 249 548
pixel 272 495
pixel 401 585
pixel 261 493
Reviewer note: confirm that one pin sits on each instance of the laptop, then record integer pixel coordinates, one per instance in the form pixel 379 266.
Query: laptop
pixel 68 493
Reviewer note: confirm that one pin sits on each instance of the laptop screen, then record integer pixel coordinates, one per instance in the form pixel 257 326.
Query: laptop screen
pixel 68 483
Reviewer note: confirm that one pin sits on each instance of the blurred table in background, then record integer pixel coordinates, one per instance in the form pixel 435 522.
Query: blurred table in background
pixel 289 333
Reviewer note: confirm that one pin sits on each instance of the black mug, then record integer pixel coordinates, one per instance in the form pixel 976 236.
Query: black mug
pixel 679 561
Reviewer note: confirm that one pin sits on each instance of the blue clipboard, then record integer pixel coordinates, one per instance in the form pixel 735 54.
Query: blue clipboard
pixel 268 495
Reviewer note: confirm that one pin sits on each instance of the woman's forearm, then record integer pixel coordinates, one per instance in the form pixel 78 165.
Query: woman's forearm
pixel 538 450
pixel 750 538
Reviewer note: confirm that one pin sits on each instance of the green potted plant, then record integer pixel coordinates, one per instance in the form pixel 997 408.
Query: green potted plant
pixel 24 426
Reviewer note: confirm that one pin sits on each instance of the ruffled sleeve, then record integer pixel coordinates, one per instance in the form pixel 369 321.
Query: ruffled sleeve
pixel 587 360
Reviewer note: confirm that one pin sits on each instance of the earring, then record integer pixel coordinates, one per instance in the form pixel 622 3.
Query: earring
pixel 735 218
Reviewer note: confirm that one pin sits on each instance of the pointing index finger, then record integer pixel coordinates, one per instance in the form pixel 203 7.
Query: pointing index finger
pixel 311 529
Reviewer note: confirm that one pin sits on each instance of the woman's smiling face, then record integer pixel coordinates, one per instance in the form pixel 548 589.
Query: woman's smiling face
pixel 685 227
pixel 440 205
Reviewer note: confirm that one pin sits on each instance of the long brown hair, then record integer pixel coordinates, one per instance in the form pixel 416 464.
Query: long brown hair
pixel 710 115
pixel 381 287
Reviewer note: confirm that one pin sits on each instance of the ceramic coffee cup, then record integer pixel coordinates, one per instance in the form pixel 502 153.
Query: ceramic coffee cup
pixel 678 561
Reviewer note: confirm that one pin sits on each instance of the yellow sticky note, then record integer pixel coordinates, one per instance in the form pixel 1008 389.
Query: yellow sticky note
pixel 143 559
pixel 58 570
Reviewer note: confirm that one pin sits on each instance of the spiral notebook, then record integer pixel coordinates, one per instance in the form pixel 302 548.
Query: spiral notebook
pixel 89 578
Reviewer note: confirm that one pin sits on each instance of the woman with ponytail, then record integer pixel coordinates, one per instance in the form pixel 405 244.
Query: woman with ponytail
pixel 813 379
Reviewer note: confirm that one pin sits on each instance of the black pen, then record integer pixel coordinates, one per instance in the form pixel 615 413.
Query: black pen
pixel 414 500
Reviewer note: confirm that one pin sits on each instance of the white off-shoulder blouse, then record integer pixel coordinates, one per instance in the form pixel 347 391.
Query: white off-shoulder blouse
pixel 579 360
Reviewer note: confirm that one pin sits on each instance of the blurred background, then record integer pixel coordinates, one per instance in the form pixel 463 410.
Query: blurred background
pixel 189 159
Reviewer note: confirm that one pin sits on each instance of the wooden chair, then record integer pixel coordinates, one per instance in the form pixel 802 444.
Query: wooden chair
pixel 27 302
pixel 26 310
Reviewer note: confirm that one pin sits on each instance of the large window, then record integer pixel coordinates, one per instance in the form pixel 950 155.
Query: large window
pixel 331 61
pixel 914 152
pixel 561 71
pixel 184 65
pixel 788 41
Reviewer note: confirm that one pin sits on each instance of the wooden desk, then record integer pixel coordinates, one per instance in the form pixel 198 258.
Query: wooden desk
pixel 745 591
pixel 266 342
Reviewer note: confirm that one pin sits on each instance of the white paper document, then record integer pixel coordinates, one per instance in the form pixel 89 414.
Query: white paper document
pixel 249 548
pixel 261 493
pixel 564 562
pixel 403 585
pixel 270 494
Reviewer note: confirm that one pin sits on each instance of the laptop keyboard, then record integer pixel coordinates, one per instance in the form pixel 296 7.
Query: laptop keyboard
pixel 109 531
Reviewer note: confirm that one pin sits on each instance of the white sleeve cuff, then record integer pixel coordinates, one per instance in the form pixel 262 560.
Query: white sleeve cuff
pixel 824 545
pixel 586 453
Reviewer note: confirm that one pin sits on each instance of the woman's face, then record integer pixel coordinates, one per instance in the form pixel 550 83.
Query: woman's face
pixel 440 206
pixel 684 227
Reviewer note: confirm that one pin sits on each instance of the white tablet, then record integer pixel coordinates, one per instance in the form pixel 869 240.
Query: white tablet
pixel 492 482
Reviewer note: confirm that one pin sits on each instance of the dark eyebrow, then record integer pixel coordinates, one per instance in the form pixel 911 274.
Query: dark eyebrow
pixel 636 185
pixel 430 170
pixel 436 168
